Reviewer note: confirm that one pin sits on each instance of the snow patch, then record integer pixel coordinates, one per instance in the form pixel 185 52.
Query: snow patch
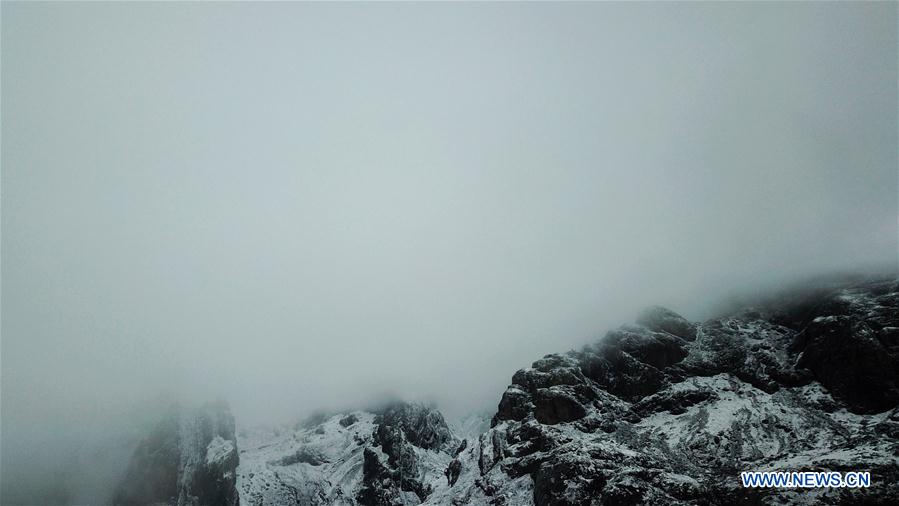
pixel 218 450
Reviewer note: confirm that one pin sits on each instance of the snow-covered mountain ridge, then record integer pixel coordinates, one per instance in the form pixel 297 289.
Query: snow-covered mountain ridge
pixel 664 411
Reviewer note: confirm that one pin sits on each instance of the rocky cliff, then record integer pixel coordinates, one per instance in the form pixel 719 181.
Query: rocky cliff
pixel 189 459
pixel 669 412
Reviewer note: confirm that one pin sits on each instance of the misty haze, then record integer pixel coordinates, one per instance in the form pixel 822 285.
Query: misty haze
pixel 337 254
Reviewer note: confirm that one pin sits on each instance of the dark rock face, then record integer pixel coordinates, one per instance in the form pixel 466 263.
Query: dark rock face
pixel 851 345
pixel 398 428
pixel 153 474
pixel 515 405
pixel 452 471
pixel 620 372
pixel 380 484
pixel 422 425
pixel 401 467
pixel 660 319
pixel 675 403
pixel 669 412
pixel 190 458
pixel 657 349
pixel 461 448
pixel 305 456
pixel 555 477
pixel 556 404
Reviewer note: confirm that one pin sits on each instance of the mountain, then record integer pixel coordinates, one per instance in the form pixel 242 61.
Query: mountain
pixel 189 459
pixel 664 411
pixel 395 455
pixel 670 412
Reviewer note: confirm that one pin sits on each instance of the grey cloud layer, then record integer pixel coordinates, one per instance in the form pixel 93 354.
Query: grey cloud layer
pixel 304 205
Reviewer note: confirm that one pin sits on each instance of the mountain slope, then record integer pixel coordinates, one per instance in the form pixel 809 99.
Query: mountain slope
pixel 664 411
pixel 667 412
pixel 396 455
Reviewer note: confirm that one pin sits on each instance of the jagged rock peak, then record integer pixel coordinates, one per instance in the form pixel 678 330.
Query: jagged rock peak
pixel 423 425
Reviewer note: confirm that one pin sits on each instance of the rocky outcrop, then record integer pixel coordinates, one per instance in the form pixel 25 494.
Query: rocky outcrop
pixel 420 425
pixel 669 412
pixel 189 459
pixel 381 484
pixel 851 345
pixel 399 429
pixel 660 319
pixel 394 455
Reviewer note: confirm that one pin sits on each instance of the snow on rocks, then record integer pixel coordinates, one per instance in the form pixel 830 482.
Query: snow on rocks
pixel 662 412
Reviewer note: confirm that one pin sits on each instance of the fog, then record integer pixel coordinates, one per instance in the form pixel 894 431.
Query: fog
pixel 305 206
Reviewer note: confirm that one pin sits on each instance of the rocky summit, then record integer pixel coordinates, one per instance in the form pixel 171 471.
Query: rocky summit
pixel 664 411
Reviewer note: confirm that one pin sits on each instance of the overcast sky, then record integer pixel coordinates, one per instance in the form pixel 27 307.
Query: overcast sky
pixel 302 205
